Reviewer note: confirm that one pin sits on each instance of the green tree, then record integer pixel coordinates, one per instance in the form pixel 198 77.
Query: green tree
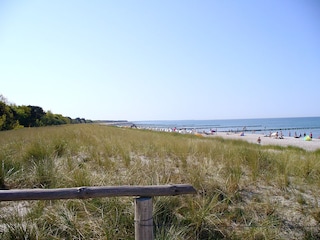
pixel 54 119
pixel 7 120
pixel 23 115
pixel 12 116
pixel 36 114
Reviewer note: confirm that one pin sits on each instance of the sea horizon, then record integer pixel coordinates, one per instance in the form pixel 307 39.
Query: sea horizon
pixel 217 119
pixel 288 125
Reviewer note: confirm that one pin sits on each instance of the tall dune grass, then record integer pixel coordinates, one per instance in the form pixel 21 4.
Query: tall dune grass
pixel 245 191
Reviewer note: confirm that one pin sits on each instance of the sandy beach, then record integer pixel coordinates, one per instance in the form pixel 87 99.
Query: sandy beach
pixel 286 141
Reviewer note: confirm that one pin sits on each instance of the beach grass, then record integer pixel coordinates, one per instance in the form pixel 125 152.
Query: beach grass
pixel 245 191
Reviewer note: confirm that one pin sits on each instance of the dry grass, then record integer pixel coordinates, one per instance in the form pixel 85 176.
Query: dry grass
pixel 245 191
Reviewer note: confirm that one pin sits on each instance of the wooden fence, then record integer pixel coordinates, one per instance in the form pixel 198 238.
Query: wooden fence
pixel 143 199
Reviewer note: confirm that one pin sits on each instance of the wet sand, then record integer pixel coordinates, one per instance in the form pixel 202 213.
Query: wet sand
pixel 312 145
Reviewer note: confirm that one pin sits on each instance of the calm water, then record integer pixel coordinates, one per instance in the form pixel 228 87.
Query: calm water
pixel 263 125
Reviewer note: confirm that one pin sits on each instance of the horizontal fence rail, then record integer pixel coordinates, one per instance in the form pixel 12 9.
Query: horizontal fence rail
pixel 143 199
pixel 95 192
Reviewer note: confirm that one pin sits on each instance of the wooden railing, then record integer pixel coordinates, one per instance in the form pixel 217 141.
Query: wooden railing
pixel 143 199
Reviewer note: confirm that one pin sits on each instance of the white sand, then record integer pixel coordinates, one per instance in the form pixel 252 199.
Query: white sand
pixel 286 141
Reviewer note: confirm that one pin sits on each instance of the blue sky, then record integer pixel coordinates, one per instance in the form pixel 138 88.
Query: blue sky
pixel 162 60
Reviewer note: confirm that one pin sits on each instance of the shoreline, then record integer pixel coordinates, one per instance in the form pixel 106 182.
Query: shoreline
pixel 248 136
pixel 312 145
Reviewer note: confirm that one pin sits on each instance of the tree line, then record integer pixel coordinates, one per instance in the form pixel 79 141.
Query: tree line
pixel 14 117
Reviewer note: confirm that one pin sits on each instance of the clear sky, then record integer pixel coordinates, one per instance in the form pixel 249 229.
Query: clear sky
pixel 162 60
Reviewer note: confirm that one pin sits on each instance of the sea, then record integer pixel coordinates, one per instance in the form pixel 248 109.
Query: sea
pixel 288 126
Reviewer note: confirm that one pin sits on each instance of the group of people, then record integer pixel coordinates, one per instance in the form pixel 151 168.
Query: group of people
pixel 280 136
pixel 275 135
pixel 304 135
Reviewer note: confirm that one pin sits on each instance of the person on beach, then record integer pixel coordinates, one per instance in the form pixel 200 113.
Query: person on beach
pixel 281 135
pixel 259 140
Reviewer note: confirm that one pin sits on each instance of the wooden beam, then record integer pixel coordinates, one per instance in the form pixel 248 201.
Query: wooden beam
pixel 95 192
pixel 143 220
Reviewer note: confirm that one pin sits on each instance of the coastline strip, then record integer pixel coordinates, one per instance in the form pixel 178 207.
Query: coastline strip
pixel 286 141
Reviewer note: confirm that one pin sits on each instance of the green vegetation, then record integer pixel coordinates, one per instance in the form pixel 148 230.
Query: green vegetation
pixel 15 117
pixel 245 191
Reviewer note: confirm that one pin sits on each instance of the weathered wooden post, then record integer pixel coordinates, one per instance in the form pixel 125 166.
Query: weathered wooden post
pixel 143 218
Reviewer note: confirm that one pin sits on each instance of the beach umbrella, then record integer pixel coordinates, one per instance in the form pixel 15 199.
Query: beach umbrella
pixel 307 138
